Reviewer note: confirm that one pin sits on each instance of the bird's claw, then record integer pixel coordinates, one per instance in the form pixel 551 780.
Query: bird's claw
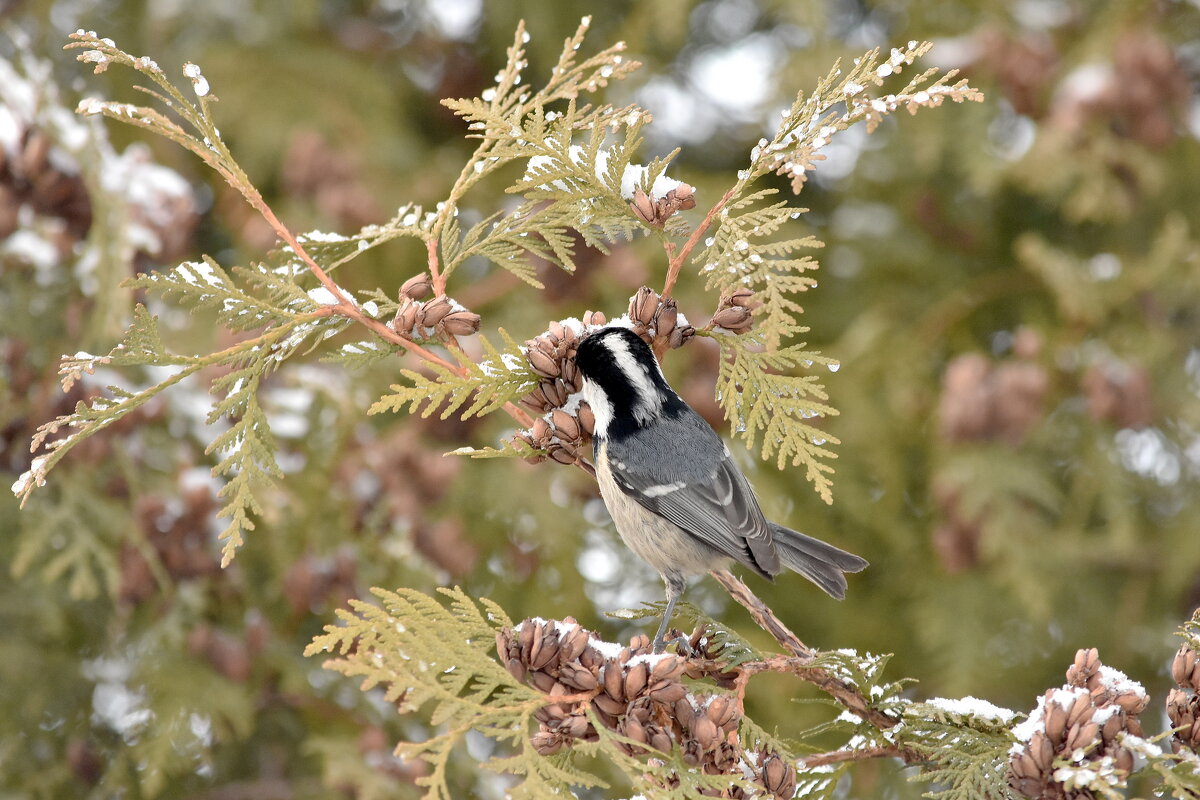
pixel 683 645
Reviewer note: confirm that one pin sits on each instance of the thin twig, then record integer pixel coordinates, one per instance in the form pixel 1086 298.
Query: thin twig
pixel 349 309
pixel 676 262
pixel 438 279
pixel 763 615
pixel 343 306
pixel 570 699
pixel 801 662
pixel 840 756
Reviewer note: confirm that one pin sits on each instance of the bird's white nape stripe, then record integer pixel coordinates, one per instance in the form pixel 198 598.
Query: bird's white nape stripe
pixel 648 401
pixel 602 409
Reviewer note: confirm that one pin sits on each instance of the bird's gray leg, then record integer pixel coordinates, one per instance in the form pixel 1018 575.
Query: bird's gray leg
pixel 675 586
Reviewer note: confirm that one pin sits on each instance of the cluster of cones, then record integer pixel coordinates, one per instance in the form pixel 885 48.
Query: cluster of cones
pixel 634 693
pixel 42 189
pixel 1141 93
pixel 1183 703
pixel 986 401
pixel 1079 723
pixel 179 538
pixel 424 320
pixel 656 211
pixel 566 424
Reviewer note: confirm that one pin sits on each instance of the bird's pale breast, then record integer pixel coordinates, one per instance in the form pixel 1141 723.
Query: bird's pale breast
pixel 658 542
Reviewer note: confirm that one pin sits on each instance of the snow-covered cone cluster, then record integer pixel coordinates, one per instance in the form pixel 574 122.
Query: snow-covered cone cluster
pixel 1078 724
pixel 636 693
pixel 417 320
pixel 630 690
pixel 47 206
pixel 1183 703
pixel 567 421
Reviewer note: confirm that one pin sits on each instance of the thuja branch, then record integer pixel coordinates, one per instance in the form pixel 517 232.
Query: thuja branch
pixel 663 720
pixel 211 149
pixel 580 183
pixel 673 724
pixel 761 613
pixel 803 662
pixel 864 754
pixel 675 259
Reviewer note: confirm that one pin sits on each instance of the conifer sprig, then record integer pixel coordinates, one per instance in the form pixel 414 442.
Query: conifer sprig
pixel 748 248
pixel 500 377
pixel 966 755
pixel 435 656
pixel 515 122
pixel 580 185
pixel 772 408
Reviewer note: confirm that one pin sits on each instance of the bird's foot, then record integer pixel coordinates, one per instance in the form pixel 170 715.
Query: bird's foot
pixel 682 645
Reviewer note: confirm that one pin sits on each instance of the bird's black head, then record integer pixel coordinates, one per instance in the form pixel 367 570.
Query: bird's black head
pixel 622 380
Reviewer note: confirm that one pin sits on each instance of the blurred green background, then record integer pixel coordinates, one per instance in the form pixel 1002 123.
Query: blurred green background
pixel 1012 289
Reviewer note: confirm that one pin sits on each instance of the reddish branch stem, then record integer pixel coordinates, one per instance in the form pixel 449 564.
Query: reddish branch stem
pixel 349 309
pixel 676 260
pixel 439 280
pixel 801 661
pixel 763 615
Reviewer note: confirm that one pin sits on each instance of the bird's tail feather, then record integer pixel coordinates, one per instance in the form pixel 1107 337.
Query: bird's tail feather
pixel 821 563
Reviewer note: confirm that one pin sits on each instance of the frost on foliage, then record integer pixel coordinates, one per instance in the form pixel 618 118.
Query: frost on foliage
pixel 571 187
pixel 964 744
pixel 633 176
pixel 199 82
pixel 840 101
pixel 973 707
pixel 745 248
pixel 748 248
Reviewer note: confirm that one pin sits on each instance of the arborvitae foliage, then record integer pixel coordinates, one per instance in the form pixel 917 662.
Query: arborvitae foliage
pixel 569 189
pixel 579 187
pixel 485 387
pixel 589 698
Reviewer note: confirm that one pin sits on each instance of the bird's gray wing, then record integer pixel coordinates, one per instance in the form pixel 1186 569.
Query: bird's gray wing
pixel 703 491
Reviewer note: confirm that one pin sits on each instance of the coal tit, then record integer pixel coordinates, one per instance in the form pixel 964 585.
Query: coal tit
pixel 670 485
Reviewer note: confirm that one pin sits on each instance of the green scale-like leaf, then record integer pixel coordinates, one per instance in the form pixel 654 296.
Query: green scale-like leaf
pixel 967 755
pixel 500 377
pixel 772 408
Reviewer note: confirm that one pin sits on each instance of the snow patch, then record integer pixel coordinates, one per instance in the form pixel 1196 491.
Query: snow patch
pixel 974 706
pixel 199 82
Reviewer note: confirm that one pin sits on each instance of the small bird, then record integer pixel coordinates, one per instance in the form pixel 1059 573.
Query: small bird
pixel 676 497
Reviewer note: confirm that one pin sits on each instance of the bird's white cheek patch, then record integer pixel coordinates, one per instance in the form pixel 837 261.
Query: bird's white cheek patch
pixel 602 409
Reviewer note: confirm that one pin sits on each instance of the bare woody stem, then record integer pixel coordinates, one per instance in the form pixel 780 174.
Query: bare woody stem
pixel 800 663
pixel 676 260
pixel 763 615
pixel 439 280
